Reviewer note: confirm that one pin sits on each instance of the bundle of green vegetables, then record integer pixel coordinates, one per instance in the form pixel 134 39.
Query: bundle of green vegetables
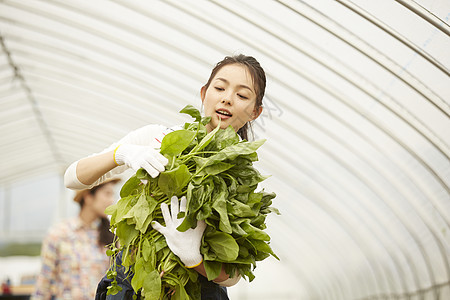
pixel 215 172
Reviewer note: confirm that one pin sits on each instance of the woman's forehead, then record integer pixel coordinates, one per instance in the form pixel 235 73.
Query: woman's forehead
pixel 236 74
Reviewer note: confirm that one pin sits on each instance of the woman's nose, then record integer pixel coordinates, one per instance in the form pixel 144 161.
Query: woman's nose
pixel 226 101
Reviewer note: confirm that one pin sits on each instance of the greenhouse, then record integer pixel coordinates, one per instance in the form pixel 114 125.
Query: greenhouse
pixel 356 118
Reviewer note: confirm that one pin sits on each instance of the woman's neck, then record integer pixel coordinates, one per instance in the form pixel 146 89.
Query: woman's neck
pixel 208 128
pixel 87 216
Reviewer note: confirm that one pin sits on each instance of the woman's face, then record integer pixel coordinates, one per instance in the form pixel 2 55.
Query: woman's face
pixel 103 197
pixel 231 97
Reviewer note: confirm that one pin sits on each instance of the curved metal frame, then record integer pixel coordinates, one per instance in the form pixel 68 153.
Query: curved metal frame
pixel 359 45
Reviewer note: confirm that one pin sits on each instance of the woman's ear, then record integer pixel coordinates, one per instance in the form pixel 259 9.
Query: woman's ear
pixel 257 112
pixel 203 93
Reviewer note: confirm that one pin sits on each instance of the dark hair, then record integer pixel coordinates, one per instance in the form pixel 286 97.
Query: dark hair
pixel 258 78
pixel 105 236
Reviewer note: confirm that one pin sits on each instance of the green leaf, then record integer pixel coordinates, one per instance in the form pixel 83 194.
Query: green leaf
pixel 180 293
pixel 261 256
pixel 194 196
pixel 204 212
pixel 194 288
pixel 267 197
pixel 262 246
pixel 246 260
pixel 274 210
pixel 240 209
pixel 212 268
pixel 243 251
pixel 206 140
pixel 226 137
pixel 220 205
pixel 254 200
pixel 214 169
pixel 198 195
pixel 126 233
pixel 173 181
pixel 131 186
pixel 189 221
pixel 127 258
pixel 142 174
pixel 192 111
pixel 111 209
pixel 237 230
pixel 113 289
pixel 152 285
pixel 223 245
pixel 139 275
pixel 247 175
pixel 139 212
pixel 205 120
pixel 152 204
pixel 176 141
pixel 258 220
pixel 255 233
pixel 233 151
pixel 146 249
pixel 245 270
pixel 123 206
pixel 160 243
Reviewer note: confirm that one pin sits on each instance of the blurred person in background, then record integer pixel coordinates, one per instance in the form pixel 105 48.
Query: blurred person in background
pixel 6 287
pixel 73 252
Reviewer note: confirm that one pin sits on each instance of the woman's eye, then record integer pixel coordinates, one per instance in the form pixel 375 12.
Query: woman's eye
pixel 219 88
pixel 243 97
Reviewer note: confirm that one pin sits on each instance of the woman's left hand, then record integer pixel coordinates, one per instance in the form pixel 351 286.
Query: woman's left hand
pixel 185 245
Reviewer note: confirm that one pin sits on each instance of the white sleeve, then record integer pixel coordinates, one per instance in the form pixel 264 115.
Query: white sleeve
pixel 150 135
pixel 230 281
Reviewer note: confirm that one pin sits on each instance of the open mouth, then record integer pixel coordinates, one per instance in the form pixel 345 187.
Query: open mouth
pixel 223 113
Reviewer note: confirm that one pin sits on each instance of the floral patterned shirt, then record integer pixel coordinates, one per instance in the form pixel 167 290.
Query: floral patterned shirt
pixel 73 262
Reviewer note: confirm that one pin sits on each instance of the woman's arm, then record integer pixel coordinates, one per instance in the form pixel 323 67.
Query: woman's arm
pixel 136 150
pixel 90 169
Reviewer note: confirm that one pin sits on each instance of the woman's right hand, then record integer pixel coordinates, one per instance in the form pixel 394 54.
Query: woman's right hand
pixel 136 157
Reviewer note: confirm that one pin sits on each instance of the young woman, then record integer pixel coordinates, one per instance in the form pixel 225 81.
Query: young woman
pixel 233 94
pixel 73 253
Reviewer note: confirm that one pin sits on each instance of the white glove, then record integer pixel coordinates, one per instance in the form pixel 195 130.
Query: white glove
pixel 136 157
pixel 185 245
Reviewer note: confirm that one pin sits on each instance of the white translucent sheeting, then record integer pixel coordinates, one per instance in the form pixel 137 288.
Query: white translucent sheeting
pixel 356 117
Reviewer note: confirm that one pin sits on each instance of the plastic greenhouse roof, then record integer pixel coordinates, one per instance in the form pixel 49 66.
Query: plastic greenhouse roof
pixel 356 117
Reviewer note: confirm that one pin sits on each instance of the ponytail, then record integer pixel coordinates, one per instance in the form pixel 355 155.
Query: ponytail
pixel 243 131
pixel 105 236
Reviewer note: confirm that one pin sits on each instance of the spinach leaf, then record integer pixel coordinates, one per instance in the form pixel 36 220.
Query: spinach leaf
pixel 192 111
pixel 152 285
pixel 139 275
pixel 173 181
pixel 220 205
pixel 212 269
pixel 139 213
pixel 131 186
pixel 176 141
pixel 223 245
pixel 126 233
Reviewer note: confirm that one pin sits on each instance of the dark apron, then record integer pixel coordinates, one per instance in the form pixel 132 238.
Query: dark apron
pixel 209 289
